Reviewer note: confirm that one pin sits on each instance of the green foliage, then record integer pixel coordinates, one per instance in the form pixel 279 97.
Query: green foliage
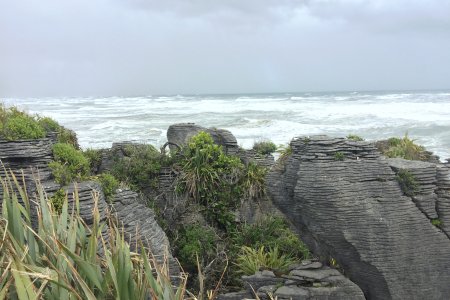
pixel 271 232
pixel 139 168
pixel 405 148
pixel 355 138
pixel 339 156
pixel 253 181
pixel 63 258
pixel 265 147
pixel 211 178
pixel 95 158
pixel 69 164
pixel 195 241
pixel 250 260
pixel 436 222
pixel 67 136
pixel 57 200
pixel 49 124
pixel 407 182
pixel 16 125
pixel 109 185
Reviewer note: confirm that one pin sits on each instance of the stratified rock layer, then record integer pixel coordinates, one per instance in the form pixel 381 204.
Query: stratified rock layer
pixel 345 202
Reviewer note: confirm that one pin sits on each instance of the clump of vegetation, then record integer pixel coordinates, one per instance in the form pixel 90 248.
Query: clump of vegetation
pixel 69 164
pixel 271 232
pixel 139 168
pixel 16 125
pixel 355 138
pixel 253 181
pixel 95 158
pixel 109 185
pixel 284 151
pixel 211 178
pixel 195 241
pixel 57 200
pixel 264 147
pixel 436 222
pixel 250 260
pixel 339 156
pixel 405 148
pixel 63 258
pixel 408 182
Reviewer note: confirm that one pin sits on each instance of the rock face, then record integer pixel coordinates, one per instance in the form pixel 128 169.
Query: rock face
pixel 345 202
pixel 306 281
pixel 180 134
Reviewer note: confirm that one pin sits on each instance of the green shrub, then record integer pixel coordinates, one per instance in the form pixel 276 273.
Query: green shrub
pixel 49 124
pixel 139 168
pixel 265 147
pixel 109 185
pixel 270 232
pixel 436 222
pixel 16 125
pixel 211 178
pixel 405 148
pixel 195 240
pixel 250 260
pixel 355 138
pixel 63 258
pixel 95 158
pixel 407 182
pixel 339 156
pixel 69 164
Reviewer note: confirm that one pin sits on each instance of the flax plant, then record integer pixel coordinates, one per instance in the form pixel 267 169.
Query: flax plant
pixel 57 256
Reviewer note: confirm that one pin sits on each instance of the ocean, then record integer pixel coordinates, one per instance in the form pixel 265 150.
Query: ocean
pixel 98 122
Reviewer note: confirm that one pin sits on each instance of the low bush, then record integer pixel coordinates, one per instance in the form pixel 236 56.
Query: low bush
pixel 405 148
pixel 253 181
pixel 139 168
pixel 109 185
pixel 57 200
pixel 16 125
pixel 251 260
pixel 270 232
pixel 407 182
pixel 69 164
pixel 265 147
pixel 355 138
pixel 95 159
pixel 195 241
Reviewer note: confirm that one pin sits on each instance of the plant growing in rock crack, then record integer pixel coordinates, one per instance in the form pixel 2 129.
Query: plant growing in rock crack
pixel 109 185
pixel 407 182
pixel 405 148
pixel 339 155
pixel 354 137
pixel 253 181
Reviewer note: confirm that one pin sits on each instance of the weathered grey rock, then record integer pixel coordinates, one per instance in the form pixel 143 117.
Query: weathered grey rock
pixel 180 134
pixel 236 296
pixel 354 211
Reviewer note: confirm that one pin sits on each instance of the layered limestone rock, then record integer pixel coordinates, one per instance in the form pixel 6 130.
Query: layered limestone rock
pixel 306 281
pixel 345 202
pixel 180 134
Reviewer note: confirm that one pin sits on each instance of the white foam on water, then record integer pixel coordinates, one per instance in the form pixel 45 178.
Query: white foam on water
pixel 278 117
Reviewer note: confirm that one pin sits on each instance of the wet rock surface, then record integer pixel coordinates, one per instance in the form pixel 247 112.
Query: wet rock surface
pixel 344 200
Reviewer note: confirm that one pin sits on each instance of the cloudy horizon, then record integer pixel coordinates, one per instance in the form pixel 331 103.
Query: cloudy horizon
pixel 137 47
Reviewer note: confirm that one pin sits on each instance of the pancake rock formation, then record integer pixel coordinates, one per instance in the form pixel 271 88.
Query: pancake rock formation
pixel 344 200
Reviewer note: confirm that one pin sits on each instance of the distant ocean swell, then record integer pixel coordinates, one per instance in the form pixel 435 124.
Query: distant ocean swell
pixel 278 117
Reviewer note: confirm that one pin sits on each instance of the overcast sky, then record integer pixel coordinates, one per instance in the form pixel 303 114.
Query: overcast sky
pixel 141 47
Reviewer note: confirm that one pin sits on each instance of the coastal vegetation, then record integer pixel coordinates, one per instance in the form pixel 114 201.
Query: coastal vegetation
pixel 69 164
pixel 405 148
pixel 264 147
pixel 408 182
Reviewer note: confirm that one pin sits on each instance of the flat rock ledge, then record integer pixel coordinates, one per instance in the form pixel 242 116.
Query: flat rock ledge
pixel 308 280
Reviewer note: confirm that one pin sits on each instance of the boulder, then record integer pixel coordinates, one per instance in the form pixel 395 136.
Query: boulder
pixel 180 134
pixel 343 198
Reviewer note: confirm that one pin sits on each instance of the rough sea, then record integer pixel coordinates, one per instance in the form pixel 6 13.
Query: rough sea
pixel 424 116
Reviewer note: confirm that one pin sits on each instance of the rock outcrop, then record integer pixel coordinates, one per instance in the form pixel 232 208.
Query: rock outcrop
pixel 345 202
pixel 308 280
pixel 180 134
